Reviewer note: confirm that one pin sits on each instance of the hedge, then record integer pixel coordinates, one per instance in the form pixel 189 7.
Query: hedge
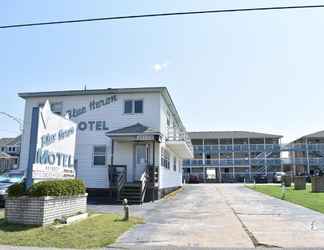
pixel 49 188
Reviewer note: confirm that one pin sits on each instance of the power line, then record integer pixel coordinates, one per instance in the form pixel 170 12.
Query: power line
pixel 16 119
pixel 161 15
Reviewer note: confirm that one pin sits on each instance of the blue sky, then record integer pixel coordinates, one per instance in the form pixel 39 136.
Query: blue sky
pixel 256 71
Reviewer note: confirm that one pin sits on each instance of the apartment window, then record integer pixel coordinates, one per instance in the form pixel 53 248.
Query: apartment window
pixel 174 164
pixel 99 155
pixel 128 107
pixel 133 107
pixel 3 149
pixel 138 106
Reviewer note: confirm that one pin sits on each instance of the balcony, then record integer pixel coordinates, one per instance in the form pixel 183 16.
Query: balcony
pixel 180 143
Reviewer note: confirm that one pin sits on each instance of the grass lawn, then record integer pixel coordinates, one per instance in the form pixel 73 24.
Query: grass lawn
pixel 304 198
pixel 98 230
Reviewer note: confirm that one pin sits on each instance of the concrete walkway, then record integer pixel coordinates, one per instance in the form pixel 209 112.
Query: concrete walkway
pixel 223 215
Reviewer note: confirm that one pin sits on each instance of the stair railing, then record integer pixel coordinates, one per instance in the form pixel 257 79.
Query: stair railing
pixel 144 183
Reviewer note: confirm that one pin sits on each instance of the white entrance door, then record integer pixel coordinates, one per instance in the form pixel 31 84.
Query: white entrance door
pixel 141 153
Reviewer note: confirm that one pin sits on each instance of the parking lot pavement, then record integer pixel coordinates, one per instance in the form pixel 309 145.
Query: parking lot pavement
pixel 274 222
pixel 222 215
pixel 196 217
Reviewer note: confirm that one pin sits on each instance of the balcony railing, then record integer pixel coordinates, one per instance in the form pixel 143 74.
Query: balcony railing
pixel 274 148
pixel 175 134
pixel 255 161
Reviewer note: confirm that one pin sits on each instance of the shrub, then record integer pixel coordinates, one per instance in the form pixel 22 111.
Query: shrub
pixel 17 189
pixel 57 188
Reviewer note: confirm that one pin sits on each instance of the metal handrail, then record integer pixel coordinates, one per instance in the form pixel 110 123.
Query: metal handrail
pixel 174 134
pixel 143 179
pixel 121 181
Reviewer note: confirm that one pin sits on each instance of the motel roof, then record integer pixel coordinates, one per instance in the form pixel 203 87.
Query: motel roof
pixel 230 134
pixel 163 90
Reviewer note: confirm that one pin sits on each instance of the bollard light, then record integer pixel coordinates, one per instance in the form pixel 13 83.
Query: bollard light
pixel 126 210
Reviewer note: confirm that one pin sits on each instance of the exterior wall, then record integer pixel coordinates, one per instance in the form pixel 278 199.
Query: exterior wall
pixel 7 164
pixel 168 177
pixel 43 210
pixel 155 113
pixel 114 117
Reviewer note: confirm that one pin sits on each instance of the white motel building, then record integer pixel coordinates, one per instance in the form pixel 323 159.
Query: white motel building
pixel 130 142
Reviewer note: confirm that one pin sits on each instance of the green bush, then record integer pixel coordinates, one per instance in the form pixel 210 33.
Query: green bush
pixel 49 188
pixel 17 189
pixel 57 188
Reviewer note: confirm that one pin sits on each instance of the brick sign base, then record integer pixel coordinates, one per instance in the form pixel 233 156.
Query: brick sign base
pixel 43 210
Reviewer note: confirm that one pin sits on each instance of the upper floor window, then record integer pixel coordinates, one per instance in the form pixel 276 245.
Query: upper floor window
pixel 168 119
pixel 56 107
pixel 133 106
pixel 11 149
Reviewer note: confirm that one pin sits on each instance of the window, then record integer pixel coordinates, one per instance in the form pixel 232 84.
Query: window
pixel 3 149
pixel 56 107
pixel 174 164
pixel 165 158
pixel 138 106
pixel 133 107
pixel 168 119
pixel 99 155
pixel 128 107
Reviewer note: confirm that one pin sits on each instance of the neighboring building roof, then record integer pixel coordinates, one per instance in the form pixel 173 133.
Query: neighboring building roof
pixel 5 141
pixel 230 134
pixel 10 141
pixel 4 155
pixel 137 128
pixel 163 90
pixel 318 134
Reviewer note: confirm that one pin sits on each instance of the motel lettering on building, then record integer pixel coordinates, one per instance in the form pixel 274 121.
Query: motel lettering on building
pixel 130 138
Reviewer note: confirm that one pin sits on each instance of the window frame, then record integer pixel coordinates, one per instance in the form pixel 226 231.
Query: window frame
pixel 138 100
pixel 132 108
pixel 94 154
pixel 175 163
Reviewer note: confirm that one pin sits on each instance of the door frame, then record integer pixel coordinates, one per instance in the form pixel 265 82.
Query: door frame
pixel 147 155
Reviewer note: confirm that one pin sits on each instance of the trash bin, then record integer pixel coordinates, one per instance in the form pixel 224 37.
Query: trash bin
pixel 286 180
pixel 317 184
pixel 299 182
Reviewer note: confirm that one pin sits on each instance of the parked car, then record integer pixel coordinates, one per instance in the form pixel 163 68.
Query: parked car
pixel 261 179
pixel 277 176
pixel 8 180
pixel 194 179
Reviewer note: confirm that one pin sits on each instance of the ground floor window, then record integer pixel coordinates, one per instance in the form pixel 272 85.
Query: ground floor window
pixel 99 155
pixel 165 158
pixel 175 164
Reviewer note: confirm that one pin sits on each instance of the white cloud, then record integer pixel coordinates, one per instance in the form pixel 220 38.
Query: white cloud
pixel 158 67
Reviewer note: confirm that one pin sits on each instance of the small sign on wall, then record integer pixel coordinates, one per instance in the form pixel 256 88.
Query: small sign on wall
pixel 54 148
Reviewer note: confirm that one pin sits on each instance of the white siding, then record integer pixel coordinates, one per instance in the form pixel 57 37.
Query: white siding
pixel 112 114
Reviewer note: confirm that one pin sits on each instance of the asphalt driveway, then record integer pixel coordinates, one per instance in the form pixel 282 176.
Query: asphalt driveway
pixel 221 215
